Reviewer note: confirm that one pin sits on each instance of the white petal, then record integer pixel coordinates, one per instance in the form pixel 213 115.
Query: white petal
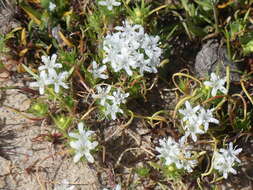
pixel 109 7
pixel 214 77
pixel 42 67
pixel 53 58
pixel 42 90
pixel 237 151
pixel 34 84
pixel 118 187
pixel 63 75
pixel 52 73
pixel 45 59
pixel 77 157
pixel 225 175
pixel 187 105
pixel 224 90
pixel 89 133
pixel 75 144
pixel 116 3
pixel 103 76
pixel 89 157
pixel 194 137
pixel 80 127
pixel 113 116
pixel 103 3
pixel 93 145
pixel 233 171
pixel 94 65
pixel 43 75
pixel 56 88
pixel 102 68
pixel 64 85
pixel 214 92
pixel 213 120
pixel 74 135
pixel 58 65
pixel 208 83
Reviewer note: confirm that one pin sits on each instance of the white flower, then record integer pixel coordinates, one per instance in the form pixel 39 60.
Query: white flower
pixel 206 117
pixel 189 112
pixel 119 97
pixel 231 152
pixel 97 72
pixel 50 64
pixel 192 128
pixel 176 153
pixel 187 162
pixel 130 49
pixel 112 110
pixel 64 186
pixel 223 165
pixel 109 4
pixel 58 80
pixel 83 145
pixel 169 150
pixel 52 6
pixel 110 101
pixel 42 82
pixel 196 120
pixel 103 94
pixel 224 160
pixel 217 84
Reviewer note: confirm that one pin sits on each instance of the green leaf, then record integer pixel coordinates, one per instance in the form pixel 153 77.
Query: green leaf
pixel 155 165
pixel 196 30
pixel 248 48
pixel 39 109
pixel 45 3
pixel 3 48
pixel 189 7
pixel 143 172
pixel 235 28
pixel 62 122
pixel 206 5
pixel 33 14
pixel 69 101
pixel 247 43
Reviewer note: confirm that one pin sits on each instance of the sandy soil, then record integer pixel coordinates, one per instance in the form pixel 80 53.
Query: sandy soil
pixel 27 164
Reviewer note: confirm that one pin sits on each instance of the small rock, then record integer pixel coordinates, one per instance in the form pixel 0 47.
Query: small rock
pixel 213 58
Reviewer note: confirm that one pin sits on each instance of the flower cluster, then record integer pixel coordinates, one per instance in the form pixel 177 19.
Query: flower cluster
pixel 111 101
pixel 109 4
pixel 216 83
pixel 196 120
pixel 83 144
pixel 130 48
pixel 225 159
pixel 49 76
pixel 179 154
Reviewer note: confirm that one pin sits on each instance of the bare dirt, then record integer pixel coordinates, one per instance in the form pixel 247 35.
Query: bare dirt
pixel 26 163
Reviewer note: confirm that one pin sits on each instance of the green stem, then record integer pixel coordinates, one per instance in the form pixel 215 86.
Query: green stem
pixel 228 44
pixel 60 99
pixel 216 20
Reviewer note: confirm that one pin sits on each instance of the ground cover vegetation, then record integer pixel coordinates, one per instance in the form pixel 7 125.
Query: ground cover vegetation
pixel 95 70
